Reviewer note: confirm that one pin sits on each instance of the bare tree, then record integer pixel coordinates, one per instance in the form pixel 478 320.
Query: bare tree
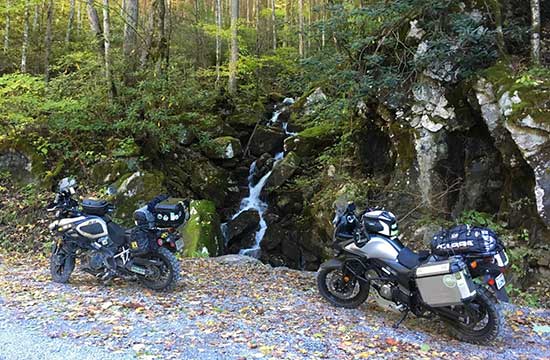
pixel 7 28
pixel 107 48
pixel 274 21
pixel 70 21
pixel 232 84
pixel 130 31
pixel 25 45
pixel 48 40
pixel 218 37
pixel 96 27
pixel 301 28
pixel 535 32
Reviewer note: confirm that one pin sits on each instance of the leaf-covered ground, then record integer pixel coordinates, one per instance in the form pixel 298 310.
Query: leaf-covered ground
pixel 234 311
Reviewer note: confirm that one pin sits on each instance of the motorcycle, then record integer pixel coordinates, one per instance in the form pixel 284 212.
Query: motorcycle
pixel 105 249
pixel 369 255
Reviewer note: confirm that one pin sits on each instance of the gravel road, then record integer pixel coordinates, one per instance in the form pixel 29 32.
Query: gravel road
pixel 224 311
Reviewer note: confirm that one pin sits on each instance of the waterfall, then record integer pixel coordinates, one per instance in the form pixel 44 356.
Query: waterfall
pixel 253 200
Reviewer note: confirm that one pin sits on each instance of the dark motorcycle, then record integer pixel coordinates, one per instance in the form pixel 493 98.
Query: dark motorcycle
pixel 369 255
pixel 106 249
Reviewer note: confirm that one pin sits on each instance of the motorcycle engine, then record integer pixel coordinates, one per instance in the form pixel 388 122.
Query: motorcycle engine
pixel 386 291
pixel 94 260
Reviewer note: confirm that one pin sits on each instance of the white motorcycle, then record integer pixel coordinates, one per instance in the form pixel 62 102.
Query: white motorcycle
pixel 369 255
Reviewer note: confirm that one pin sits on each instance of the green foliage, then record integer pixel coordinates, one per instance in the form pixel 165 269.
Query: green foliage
pixel 477 218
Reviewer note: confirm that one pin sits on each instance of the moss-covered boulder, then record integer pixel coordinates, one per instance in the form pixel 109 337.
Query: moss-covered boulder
pixel 24 163
pixel 225 147
pixel 134 190
pixel 201 234
pixel 309 142
pixel 108 171
pixel 282 171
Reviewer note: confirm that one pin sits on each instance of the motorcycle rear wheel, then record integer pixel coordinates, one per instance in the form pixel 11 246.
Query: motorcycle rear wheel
pixel 333 287
pixel 484 325
pixel 61 265
pixel 166 276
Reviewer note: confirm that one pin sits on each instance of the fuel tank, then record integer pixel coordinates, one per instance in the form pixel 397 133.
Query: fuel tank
pixel 378 247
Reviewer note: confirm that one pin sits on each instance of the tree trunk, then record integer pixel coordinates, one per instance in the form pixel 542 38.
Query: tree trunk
pixel 232 85
pixel 79 16
pixel 25 46
pixel 301 28
pixel 96 27
pixel 35 17
pixel 257 26
pixel 161 48
pixel 70 21
pixel 130 32
pixel 535 32
pixel 7 28
pixel 148 38
pixel 48 40
pixel 107 48
pixel 218 38
pixel 287 22
pixel 324 17
pixel 274 21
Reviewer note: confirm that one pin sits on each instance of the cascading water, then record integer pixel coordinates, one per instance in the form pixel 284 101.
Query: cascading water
pixel 253 200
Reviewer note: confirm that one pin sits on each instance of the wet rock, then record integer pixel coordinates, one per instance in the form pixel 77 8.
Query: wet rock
pixel 201 234
pixel 273 237
pixel 245 222
pixel 267 139
pixel 282 171
pixel 186 136
pixel 264 164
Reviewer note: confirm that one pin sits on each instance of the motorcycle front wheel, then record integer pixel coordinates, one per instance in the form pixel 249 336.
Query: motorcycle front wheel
pixel 164 269
pixel 61 265
pixel 481 321
pixel 341 290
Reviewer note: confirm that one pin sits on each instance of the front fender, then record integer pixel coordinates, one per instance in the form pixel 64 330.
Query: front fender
pixel 332 264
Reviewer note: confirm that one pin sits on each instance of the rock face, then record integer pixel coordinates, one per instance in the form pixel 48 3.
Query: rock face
pixel 267 139
pixel 201 234
pixel 522 131
pixel 239 233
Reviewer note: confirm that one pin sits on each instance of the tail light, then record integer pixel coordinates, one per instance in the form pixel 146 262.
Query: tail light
pixel 159 241
pixel 491 281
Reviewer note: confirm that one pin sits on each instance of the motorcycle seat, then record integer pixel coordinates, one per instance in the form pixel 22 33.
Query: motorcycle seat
pixel 410 259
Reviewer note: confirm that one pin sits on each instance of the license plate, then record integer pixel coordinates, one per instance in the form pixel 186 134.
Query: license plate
pixel 179 244
pixel 500 281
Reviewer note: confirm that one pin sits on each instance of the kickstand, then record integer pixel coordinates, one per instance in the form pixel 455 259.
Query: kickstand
pixel 396 325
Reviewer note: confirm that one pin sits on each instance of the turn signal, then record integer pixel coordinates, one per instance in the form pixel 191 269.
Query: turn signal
pixel 159 241
pixel 473 264
pixel 491 282
pixel 346 278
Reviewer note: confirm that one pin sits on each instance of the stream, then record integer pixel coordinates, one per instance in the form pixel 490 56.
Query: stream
pixel 253 200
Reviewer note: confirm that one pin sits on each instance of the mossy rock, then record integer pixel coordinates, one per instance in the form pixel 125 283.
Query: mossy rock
pixel 225 147
pixel 310 141
pixel 108 171
pixel 202 233
pixel 25 164
pixel 134 190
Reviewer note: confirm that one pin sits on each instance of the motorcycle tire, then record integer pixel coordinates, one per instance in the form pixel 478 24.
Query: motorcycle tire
pixel 327 283
pixel 167 276
pixel 490 309
pixel 61 266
